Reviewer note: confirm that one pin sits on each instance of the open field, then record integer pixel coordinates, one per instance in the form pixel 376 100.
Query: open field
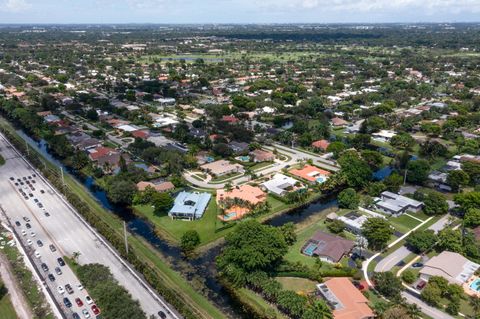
pixel 299 285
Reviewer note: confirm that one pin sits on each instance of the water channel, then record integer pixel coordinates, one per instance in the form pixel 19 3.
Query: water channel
pixel 200 267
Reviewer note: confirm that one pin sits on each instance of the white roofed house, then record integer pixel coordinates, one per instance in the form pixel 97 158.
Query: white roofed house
pixel 281 184
pixel 383 136
pixel 394 204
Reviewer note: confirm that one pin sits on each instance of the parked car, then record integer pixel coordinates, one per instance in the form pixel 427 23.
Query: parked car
pixel 421 285
pixel 162 314
pixel 95 310
pixel 60 290
pixel 28 225
pixel 67 302
pixel 417 265
pixel 79 302
pixel 17 223
pixel 51 277
pixel 86 314
pixel 37 254
pixel 69 289
pixel 58 271
pixel 44 267
pixel 60 261
pixel 89 300
pixel 52 248
pixel 39 243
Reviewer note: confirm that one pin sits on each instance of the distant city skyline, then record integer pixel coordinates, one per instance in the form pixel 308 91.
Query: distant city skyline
pixel 238 11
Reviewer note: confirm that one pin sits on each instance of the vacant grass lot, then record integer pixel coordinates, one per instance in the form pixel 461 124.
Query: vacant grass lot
pixel 404 223
pixel 299 285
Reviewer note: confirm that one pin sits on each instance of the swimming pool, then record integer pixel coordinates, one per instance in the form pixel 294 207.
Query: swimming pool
pixel 320 180
pixel 475 285
pixel 310 249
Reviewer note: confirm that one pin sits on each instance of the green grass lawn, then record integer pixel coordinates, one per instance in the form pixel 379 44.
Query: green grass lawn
pixel 403 223
pixel 299 285
pixel 259 304
pixel 6 308
pixel 209 227
pixel 220 179
pixel 2 160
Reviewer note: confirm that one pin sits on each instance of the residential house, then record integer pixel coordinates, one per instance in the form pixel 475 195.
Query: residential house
pixel 346 301
pixel 353 222
pixel 439 180
pixel 159 186
pixel 260 155
pixel 394 204
pixel 451 266
pixel 383 136
pixel 311 173
pixel 238 147
pixel 222 167
pixel 239 201
pixel 327 247
pixel 321 145
pixel 338 122
pixel 281 184
pixel 190 206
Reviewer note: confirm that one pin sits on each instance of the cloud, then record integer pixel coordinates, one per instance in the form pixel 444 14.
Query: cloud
pixel 15 5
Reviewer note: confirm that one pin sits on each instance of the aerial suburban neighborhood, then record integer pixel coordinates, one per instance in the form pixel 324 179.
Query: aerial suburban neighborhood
pixel 240 171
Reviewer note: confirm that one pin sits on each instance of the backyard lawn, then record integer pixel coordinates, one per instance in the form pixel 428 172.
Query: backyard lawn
pixel 404 223
pixel 209 227
pixel 299 285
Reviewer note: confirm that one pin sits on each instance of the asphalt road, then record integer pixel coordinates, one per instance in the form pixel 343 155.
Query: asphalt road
pixel 391 260
pixel 67 232
pixel 426 309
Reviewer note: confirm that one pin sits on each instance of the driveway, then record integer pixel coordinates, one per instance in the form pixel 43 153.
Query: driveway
pixel 440 224
pixel 391 260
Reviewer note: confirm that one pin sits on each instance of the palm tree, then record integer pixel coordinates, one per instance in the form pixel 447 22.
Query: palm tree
pixel 413 310
pixel 75 256
pixel 475 304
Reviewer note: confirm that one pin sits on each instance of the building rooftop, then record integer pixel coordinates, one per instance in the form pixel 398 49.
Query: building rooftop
pixel 250 194
pixel 310 173
pixel 279 183
pixel 451 266
pixel 334 247
pixel 193 204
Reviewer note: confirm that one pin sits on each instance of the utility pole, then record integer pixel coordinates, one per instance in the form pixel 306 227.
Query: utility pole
pixel 28 150
pixel 405 177
pixel 125 235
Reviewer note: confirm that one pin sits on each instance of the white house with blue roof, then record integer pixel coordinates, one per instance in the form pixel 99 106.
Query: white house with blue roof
pixel 190 206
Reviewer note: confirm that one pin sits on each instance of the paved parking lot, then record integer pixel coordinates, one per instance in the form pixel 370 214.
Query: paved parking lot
pixel 66 231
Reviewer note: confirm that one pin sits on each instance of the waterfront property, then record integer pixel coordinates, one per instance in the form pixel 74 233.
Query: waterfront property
pixel 353 222
pixel 281 184
pixel 327 247
pixel 451 266
pixel 311 173
pixel 239 201
pixel 394 204
pixel 159 186
pixel 262 156
pixel 346 301
pixel 189 206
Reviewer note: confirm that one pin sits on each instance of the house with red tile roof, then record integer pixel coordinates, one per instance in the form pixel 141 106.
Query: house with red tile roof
pixel 159 187
pixel 311 173
pixel 321 145
pixel 229 119
pixel 239 201
pixel 99 152
pixel 141 134
pixel 346 301
pixel 338 122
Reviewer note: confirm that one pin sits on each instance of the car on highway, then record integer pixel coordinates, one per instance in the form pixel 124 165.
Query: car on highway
pixel 39 243
pixel 29 242
pixel 51 277
pixel 75 315
pixel 86 314
pixel 37 254
pixel 79 302
pixel 67 302
pixel 44 267
pixel 58 271
pixel 162 314
pixel 88 300
pixel 28 225
pixel 17 223
pixel 69 289
pixel 95 310
pixel 60 261
pixel 52 248
pixel 60 290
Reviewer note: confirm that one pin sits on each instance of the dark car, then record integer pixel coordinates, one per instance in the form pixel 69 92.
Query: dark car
pixel 39 243
pixel 28 225
pixel 52 248
pixel 42 191
pixel 47 214
pixel 75 316
pixel 51 277
pixel 95 310
pixel 69 289
pixel 417 265
pixel 44 267
pixel 11 178
pixel 421 285
pixel 35 200
pixel 60 261
pixel 79 302
pixel 162 314
pixel 17 223
pixel 26 219
pixel 67 302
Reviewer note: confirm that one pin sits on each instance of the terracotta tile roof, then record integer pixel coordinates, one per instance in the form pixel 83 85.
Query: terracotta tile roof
pixel 251 194
pixel 100 152
pixel 355 305
pixel 321 144
pixel 309 173
pixel 140 134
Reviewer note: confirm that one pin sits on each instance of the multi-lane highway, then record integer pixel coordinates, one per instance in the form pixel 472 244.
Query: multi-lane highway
pixel 52 221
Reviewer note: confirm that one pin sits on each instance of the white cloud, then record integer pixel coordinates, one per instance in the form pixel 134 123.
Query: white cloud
pixel 15 5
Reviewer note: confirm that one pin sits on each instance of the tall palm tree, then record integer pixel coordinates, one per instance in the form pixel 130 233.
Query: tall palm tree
pixel 413 310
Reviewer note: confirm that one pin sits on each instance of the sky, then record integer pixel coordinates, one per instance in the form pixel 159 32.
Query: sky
pixel 238 11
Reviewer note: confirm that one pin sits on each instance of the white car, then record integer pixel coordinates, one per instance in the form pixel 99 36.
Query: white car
pixel 37 254
pixel 60 290
pixel 85 313
pixel 24 233
pixel 80 287
pixel 89 300
pixel 32 234
pixel 29 242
